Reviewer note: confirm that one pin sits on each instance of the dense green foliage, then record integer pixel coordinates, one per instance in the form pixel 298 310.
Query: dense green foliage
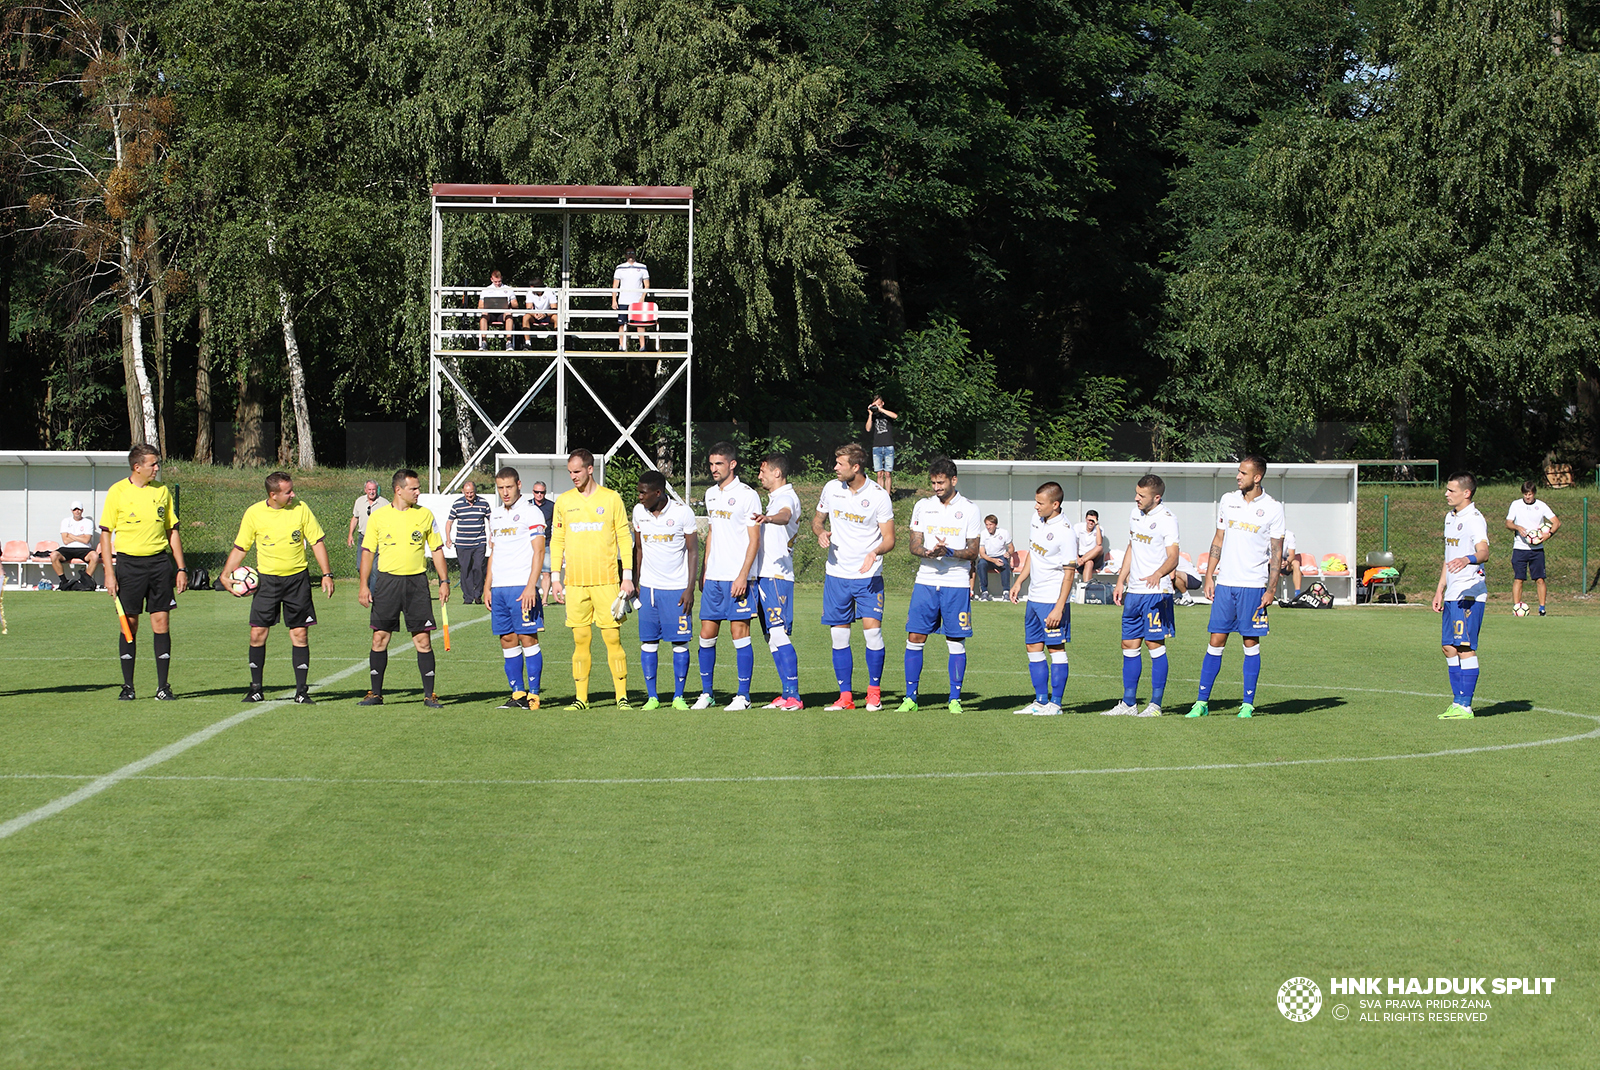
pixel 1166 229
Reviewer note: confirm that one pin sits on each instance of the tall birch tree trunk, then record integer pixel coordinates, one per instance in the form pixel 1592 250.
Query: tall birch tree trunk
pixel 158 308
pixel 202 376
pixel 307 454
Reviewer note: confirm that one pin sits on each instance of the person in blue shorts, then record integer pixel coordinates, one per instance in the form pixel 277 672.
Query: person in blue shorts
pixel 1144 591
pixel 728 583
pixel 666 550
pixel 860 531
pixel 944 535
pixel 516 539
pixel 1463 592
pixel 1049 570
pixel 1240 579
pixel 780 525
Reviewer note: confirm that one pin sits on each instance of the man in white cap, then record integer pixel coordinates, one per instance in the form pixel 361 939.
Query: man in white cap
pixel 77 544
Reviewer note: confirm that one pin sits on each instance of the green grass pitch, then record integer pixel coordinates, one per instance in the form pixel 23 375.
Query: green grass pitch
pixel 331 886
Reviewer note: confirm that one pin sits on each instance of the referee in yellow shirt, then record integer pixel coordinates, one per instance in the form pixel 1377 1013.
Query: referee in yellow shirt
pixel 401 534
pixel 591 537
pixel 281 528
pixel 148 570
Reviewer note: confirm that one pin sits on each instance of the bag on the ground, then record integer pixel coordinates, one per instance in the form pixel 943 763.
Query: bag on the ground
pixel 1316 597
pixel 1097 594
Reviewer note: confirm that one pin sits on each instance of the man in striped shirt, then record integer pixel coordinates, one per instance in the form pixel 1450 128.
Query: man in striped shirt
pixel 467 529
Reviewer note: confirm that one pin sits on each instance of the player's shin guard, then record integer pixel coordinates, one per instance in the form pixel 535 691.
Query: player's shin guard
pixel 1452 665
pixel 1132 668
pixel 876 655
pixel 425 668
pixel 957 649
pixel 1039 673
pixel 1210 665
pixel 1058 676
pixel 512 658
pixel 913 669
pixel 533 664
pixel 300 658
pixel 843 660
pixel 377 664
pixel 616 660
pixel 649 662
pixel 126 652
pixel 162 641
pixel 581 661
pixel 744 663
pixel 1469 678
pixel 258 665
pixel 708 663
pixel 1252 672
pixel 1158 673
pixel 680 668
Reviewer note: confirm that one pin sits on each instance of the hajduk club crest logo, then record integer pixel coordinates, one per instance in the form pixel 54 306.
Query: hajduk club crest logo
pixel 1299 999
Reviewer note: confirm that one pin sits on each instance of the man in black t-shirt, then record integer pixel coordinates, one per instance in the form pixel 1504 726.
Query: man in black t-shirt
pixel 880 425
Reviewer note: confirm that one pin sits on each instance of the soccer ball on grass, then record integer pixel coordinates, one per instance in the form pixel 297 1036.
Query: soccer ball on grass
pixel 242 581
pixel 1520 609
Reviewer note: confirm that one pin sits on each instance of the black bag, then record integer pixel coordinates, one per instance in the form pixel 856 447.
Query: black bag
pixel 199 579
pixel 1316 597
pixel 1097 594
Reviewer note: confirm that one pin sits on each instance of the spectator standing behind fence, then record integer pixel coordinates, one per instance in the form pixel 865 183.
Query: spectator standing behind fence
pixel 466 527
pixel 78 544
pixel 880 425
pixel 1525 517
pixel 366 502
pixel 629 284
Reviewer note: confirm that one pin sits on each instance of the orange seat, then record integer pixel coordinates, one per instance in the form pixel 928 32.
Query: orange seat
pixel 1308 565
pixel 15 552
pixel 45 547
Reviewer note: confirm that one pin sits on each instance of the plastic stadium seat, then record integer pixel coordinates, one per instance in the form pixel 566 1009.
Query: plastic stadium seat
pixel 14 553
pixel 1308 565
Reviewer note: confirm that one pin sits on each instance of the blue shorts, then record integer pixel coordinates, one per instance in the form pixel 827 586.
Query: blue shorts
pixel 1461 623
pixel 776 598
pixel 1034 631
pixel 506 616
pixel 1148 616
pixel 717 601
pixel 940 610
pixel 1238 609
pixel 883 458
pixel 847 601
pixel 661 617
pixel 1527 564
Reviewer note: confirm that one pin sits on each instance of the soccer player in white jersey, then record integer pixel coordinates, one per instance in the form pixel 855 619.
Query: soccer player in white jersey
pixel 860 531
pixel 1050 568
pixel 944 535
pixel 1463 590
pixel 1144 591
pixel 780 524
pixel 1241 578
pixel 727 583
pixel 666 556
pixel 516 550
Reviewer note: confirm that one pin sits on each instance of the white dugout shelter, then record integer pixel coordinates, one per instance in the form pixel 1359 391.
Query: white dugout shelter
pixel 38 487
pixel 1319 501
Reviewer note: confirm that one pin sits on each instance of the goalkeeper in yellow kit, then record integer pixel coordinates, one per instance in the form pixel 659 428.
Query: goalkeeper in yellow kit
pixel 589 539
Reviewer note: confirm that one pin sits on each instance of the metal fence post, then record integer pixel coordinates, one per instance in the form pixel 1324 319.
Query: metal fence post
pixel 1385 523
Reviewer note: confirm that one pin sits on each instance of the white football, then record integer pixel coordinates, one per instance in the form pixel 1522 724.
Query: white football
pixel 1520 609
pixel 243 580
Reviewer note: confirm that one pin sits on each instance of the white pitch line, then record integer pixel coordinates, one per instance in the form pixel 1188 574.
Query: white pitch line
pixel 172 750
pixel 814 778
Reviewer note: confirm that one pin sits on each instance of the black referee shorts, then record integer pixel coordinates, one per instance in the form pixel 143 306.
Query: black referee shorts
pixel 146 584
pixel 290 594
pixel 394 595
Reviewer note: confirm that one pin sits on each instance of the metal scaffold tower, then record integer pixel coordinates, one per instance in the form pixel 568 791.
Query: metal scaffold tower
pixel 584 327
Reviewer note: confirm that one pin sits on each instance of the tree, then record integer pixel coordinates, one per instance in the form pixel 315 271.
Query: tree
pixel 1434 255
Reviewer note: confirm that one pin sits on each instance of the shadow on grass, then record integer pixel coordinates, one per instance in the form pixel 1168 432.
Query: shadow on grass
pixel 1518 705
pixel 1295 706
